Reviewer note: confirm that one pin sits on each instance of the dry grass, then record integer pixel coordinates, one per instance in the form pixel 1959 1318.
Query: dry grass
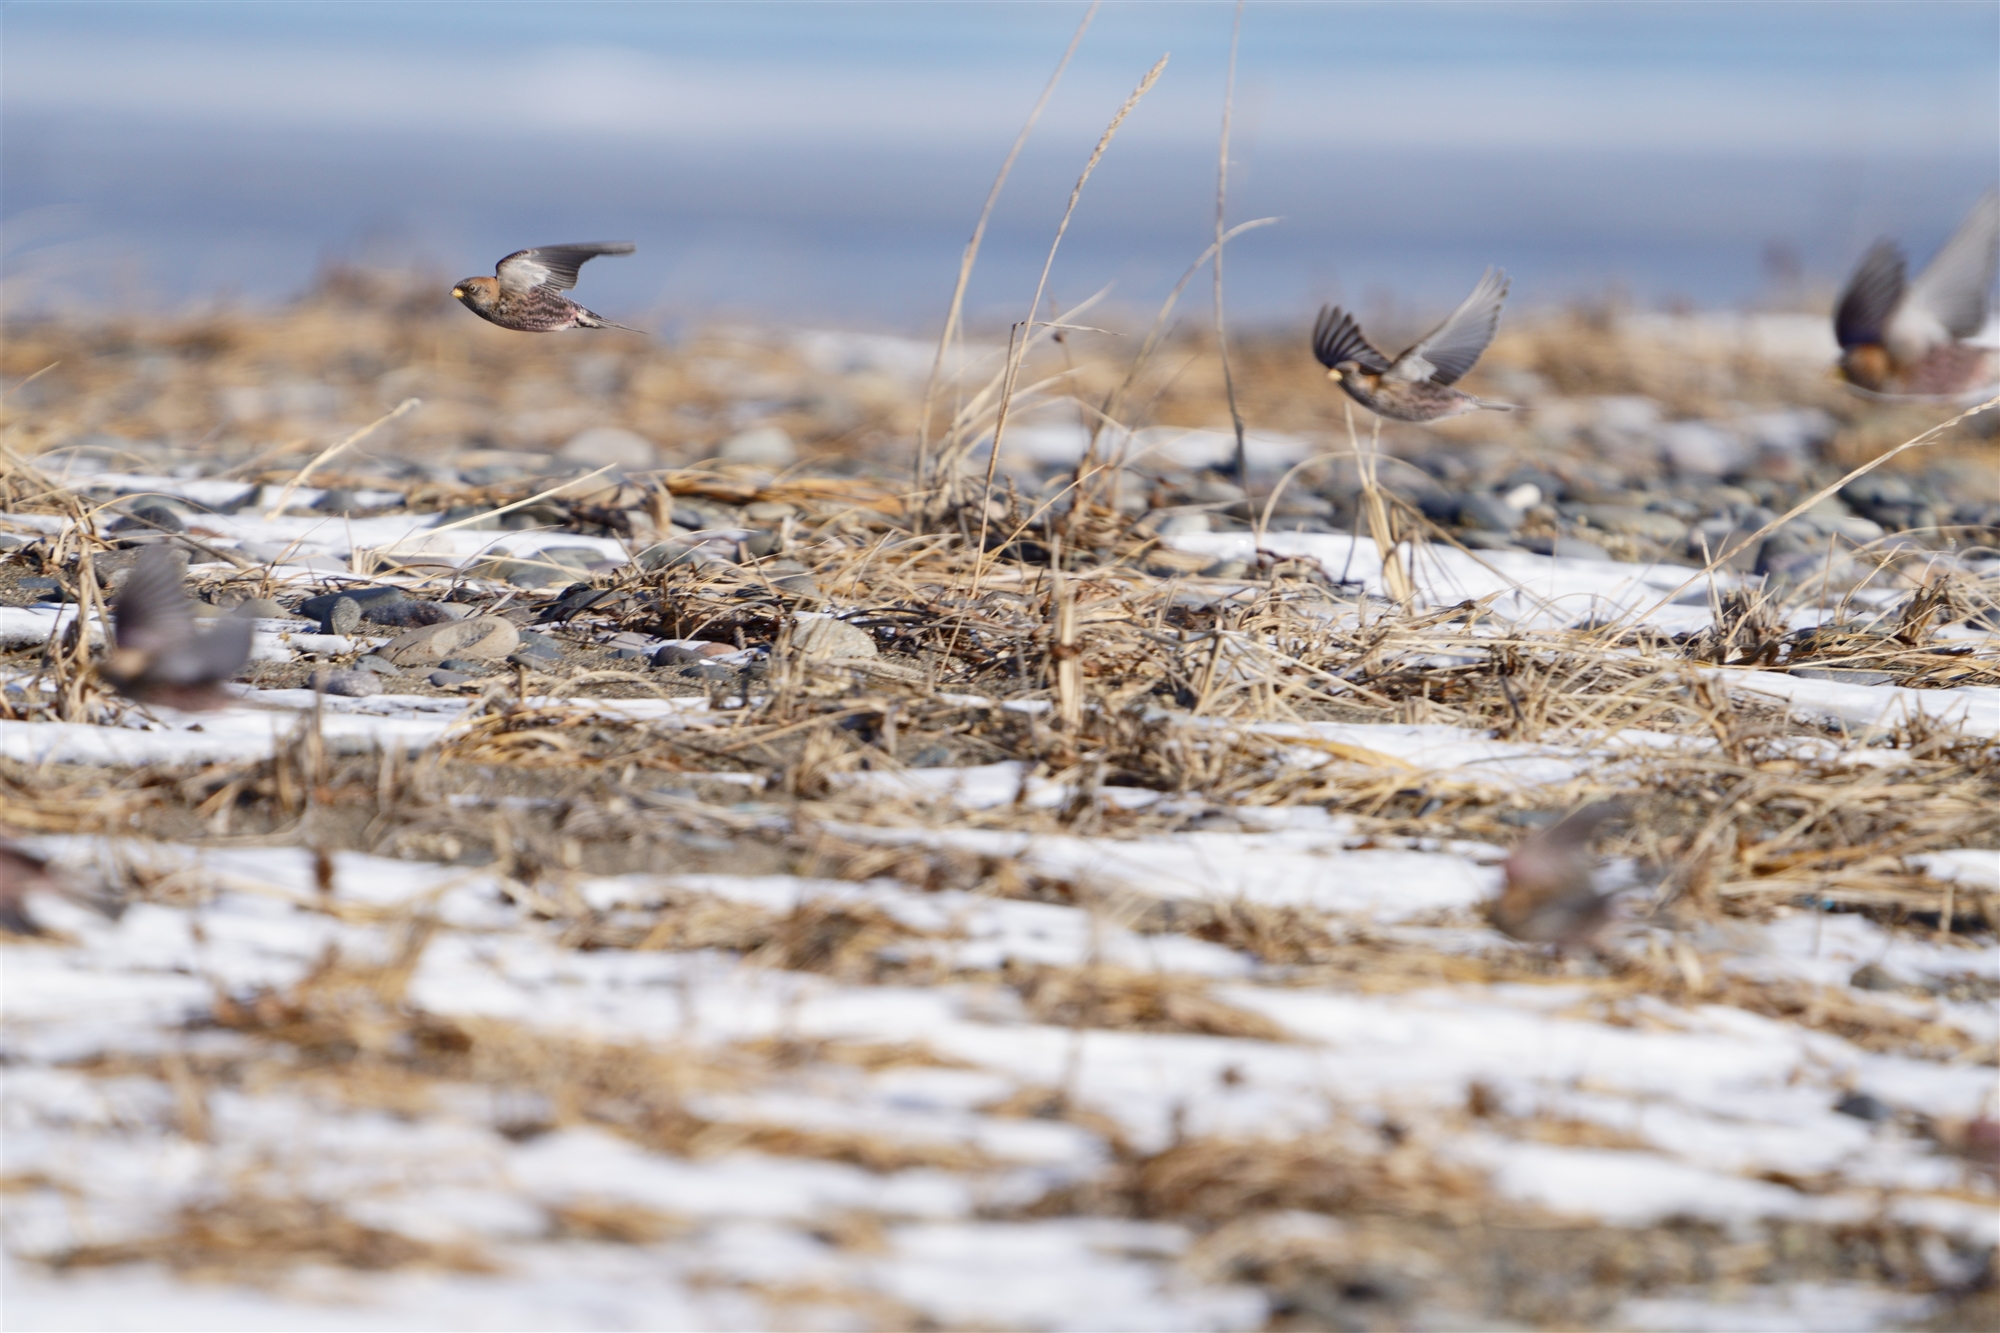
pixel 1125 668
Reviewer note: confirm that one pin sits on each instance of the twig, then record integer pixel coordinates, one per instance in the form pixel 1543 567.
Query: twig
pixel 1242 466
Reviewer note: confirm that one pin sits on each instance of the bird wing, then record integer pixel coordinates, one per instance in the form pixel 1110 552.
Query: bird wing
pixel 1337 338
pixel 1949 299
pixel 553 266
pixel 1862 317
pixel 151 613
pixel 1448 351
pixel 216 654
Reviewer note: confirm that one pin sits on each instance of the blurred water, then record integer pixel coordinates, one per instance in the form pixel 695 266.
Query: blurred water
pixel 825 163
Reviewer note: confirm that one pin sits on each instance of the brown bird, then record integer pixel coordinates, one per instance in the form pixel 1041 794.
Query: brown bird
pixel 526 292
pixel 1551 893
pixel 1908 339
pixel 1416 386
pixel 157 657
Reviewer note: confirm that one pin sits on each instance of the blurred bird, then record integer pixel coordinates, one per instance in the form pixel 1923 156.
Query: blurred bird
pixel 1416 386
pixel 1551 893
pixel 157 657
pixel 22 873
pixel 19 873
pixel 526 292
pixel 1908 339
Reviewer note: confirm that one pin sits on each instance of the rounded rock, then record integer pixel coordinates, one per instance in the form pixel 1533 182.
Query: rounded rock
pixel 482 638
pixel 822 639
pixel 761 446
pixel 612 445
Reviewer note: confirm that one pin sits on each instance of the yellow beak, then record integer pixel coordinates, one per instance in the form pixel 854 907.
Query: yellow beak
pixel 459 292
pixel 1333 375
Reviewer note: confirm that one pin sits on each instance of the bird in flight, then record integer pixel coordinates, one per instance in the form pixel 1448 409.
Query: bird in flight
pixel 1908 338
pixel 157 655
pixel 1415 386
pixel 1551 896
pixel 526 291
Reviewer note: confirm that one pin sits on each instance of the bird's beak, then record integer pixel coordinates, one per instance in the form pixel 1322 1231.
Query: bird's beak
pixel 458 292
pixel 1333 375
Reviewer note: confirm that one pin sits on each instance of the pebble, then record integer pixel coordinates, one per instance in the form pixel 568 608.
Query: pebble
pixel 538 645
pixel 1844 677
pixel 1862 1106
pixel 681 654
pixel 482 637
pixel 824 639
pixel 761 446
pixel 381 666
pixel 442 677
pixel 613 445
pixel 352 684
pixel 465 664
pixel 343 617
pixel 411 613
pixel 367 598
pixel 1489 513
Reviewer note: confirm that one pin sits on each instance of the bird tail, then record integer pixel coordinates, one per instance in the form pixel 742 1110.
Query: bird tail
pixel 590 319
pixel 1499 407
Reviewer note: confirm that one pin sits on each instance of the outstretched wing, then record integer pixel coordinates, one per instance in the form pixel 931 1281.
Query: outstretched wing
pixel 210 655
pixel 553 266
pixel 1949 299
pixel 151 613
pixel 1862 317
pixel 1448 351
pixel 1337 338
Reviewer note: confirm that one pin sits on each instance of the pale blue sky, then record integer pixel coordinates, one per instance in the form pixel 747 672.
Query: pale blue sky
pixel 828 158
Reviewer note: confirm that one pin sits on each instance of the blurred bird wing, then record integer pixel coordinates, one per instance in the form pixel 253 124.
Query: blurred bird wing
pixel 1449 350
pixel 1862 317
pixel 553 265
pixel 1337 338
pixel 216 654
pixel 1950 298
pixel 151 613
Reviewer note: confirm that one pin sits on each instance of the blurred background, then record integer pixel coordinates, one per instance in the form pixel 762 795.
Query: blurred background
pixel 824 163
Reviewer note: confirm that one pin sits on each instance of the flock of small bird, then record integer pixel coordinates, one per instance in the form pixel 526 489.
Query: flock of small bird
pixel 1899 338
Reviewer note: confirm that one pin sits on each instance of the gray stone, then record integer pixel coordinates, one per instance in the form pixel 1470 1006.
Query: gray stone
pixel 150 516
pixel 1862 1106
pixel 613 445
pixel 343 617
pixel 466 665
pixel 537 645
pixel 1480 540
pixel 442 678
pixel 803 586
pixel 381 666
pixel 1487 513
pixel 1631 521
pixel 1226 569
pixel 1701 449
pixel 316 608
pixel 480 638
pixel 760 446
pixel 761 544
pixel 1843 676
pixel 352 684
pixel 411 613
pixel 822 639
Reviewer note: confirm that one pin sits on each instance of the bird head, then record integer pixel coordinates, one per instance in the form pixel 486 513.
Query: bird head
pixel 1344 370
pixel 476 293
pixel 1865 366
